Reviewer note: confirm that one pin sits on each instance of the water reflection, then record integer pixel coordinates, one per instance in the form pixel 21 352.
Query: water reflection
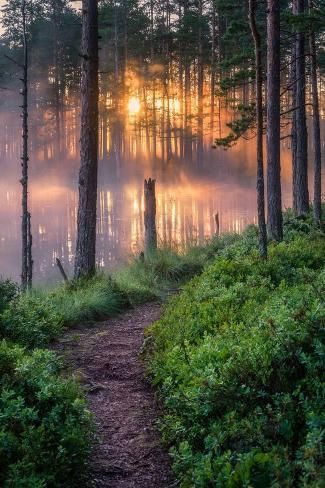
pixel 190 189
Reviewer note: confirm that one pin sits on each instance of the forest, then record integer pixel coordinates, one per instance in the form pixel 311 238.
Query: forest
pixel 162 244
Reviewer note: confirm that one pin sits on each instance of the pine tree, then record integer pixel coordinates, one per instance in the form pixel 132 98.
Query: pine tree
pixel 85 260
pixel 274 205
pixel 300 159
pixel 259 130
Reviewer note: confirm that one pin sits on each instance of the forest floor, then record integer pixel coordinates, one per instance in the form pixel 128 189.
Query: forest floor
pixel 105 357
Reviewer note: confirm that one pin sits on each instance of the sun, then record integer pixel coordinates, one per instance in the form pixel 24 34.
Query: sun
pixel 134 106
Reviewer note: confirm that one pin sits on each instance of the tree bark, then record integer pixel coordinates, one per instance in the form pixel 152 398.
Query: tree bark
pixel 259 135
pixel 316 128
pixel 85 261
pixel 187 98
pixel 200 80
pixel 212 67
pixel 300 162
pixel 150 238
pixel 27 262
pixel 274 204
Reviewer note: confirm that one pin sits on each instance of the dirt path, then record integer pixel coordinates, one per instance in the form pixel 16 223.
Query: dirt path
pixel 105 358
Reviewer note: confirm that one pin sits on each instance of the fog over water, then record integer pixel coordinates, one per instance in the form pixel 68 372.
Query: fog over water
pixel 189 192
pixel 194 181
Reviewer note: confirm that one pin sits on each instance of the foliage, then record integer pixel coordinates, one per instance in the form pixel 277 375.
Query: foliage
pixel 214 339
pixel 44 424
pixel 238 358
pixel 8 292
pixel 31 321
pixel 239 127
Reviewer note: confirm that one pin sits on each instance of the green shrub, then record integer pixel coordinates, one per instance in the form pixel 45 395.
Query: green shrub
pixel 239 357
pixel 31 321
pixel 8 292
pixel 44 423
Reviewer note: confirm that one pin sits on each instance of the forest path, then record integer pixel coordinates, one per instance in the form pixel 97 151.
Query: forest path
pixel 105 357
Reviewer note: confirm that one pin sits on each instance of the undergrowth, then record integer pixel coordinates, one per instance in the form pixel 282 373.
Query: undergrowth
pixel 238 358
pixel 44 422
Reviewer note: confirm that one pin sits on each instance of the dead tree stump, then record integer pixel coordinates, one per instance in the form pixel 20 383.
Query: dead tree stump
pixel 150 236
pixel 217 222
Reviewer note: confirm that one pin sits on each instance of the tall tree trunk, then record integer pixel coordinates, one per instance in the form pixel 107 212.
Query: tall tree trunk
pixel 300 163
pixel 27 262
pixel 187 98
pixel 116 60
pixel 56 12
pixel 126 40
pixel 259 136
pixel 85 261
pixel 213 71
pixel 316 128
pixel 294 104
pixel 200 79
pixel 273 122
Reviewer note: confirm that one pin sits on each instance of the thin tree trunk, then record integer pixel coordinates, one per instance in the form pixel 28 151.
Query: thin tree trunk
pixel 259 136
pixel 200 79
pixel 85 262
pixel 126 41
pixel 316 128
pixel 273 122
pixel 213 71
pixel 116 61
pixel 187 100
pixel 27 262
pixel 293 120
pixel 300 163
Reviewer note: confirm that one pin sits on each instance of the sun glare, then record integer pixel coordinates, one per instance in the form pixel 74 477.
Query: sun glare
pixel 134 106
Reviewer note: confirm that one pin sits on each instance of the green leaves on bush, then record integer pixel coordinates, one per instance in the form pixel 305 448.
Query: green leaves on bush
pixel 239 360
pixel 44 423
pixel 8 292
pixel 31 321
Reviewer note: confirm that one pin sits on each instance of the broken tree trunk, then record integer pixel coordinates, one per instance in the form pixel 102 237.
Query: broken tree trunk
pixel 61 269
pixel 150 237
pixel 217 222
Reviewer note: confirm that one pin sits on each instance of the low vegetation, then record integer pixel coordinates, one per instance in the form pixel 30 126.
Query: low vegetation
pixel 44 423
pixel 238 358
pixel 45 428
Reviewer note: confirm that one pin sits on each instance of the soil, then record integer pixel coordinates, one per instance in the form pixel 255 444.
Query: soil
pixel 105 357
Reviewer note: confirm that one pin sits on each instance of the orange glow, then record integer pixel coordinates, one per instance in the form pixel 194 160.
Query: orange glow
pixel 134 106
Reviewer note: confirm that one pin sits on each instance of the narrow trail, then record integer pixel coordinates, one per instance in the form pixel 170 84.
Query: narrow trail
pixel 105 357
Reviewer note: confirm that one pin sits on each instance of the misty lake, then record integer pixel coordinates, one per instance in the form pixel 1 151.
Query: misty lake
pixel 192 186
